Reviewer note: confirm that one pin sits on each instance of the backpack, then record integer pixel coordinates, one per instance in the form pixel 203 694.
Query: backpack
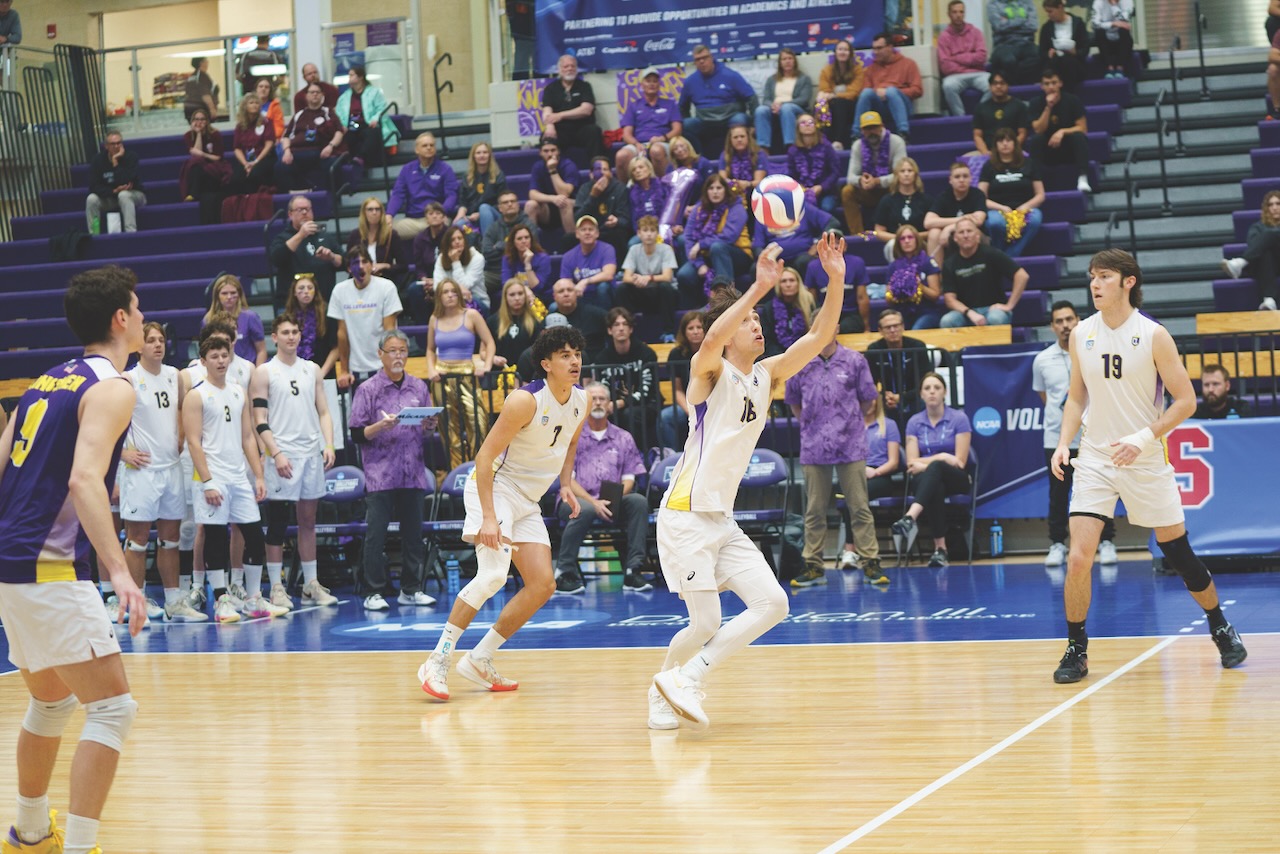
pixel 70 245
pixel 250 207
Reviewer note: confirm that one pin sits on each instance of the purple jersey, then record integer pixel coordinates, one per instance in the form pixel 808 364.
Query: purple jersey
pixel 40 536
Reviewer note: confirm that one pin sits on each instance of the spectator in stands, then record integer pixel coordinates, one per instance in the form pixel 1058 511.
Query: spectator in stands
pixel 906 204
pixel 247 71
pixel 684 157
pixel 716 241
pixel 583 316
pixel 199 92
pixel 494 244
pixel 831 397
pixel 420 294
pixel 568 111
pixel 10 33
pixel 426 180
pixel 937 453
pixel 813 162
pixel 228 296
pixel 591 264
pixel 365 115
pixel 648 123
pixel 649 275
pixel 673 421
pixel 453 335
pixel 1001 110
pixel 788 315
pixel 962 59
pixel 513 326
pixel 362 306
pixel 628 367
pixel 800 243
pixel 254 147
pixel 311 77
pixel 304 247
pixel 319 341
pixel 961 199
pixel 526 261
pixel 743 163
pixel 552 185
pixel 1064 44
pixel 114 185
pixel 269 104
pixel 648 194
pixel 479 191
pixel 1014 193
pixel 607 454
pixel 884 445
pixel 1113 32
pixel 459 261
pixel 893 85
pixel 205 173
pixel 913 282
pixel 386 248
pixel 608 202
pixel 1262 253
pixel 1218 402
pixel 720 96
pixel 872 162
pixel 1059 123
pixel 787 94
pixel 856 315
pixel 839 85
pixel 395 472
pixel 898 363
pixel 973 282
pixel 1012 24
pixel 310 144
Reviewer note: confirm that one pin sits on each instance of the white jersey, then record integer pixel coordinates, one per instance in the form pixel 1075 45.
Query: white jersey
pixel 1119 372
pixel 221 434
pixel 291 407
pixel 239 372
pixel 536 455
pixel 726 427
pixel 154 427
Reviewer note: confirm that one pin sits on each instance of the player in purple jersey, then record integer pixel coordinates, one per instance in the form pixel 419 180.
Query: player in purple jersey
pixel 57 466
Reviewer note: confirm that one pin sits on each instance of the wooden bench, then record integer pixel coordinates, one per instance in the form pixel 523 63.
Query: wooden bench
pixel 1234 322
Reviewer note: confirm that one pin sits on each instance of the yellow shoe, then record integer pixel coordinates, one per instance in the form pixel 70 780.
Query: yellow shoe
pixel 51 844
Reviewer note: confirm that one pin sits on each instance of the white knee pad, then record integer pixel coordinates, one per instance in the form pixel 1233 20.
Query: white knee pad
pixel 48 720
pixel 108 721
pixel 187 535
pixel 168 544
pixel 140 548
pixel 491 575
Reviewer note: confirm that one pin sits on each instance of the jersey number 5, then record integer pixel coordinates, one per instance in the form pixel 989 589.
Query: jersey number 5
pixel 26 434
pixel 1111 366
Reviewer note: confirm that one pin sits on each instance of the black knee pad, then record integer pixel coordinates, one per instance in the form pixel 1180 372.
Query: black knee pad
pixel 1195 575
pixel 255 547
pixel 217 547
pixel 277 522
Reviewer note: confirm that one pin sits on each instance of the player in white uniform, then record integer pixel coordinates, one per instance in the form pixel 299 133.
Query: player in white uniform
pixel 292 417
pixel 703 551
pixel 1121 365
pixel 215 419
pixel 151 484
pixel 534 441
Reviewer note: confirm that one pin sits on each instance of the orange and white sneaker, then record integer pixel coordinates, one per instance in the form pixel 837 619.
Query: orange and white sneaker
pixel 481 671
pixel 51 844
pixel 434 675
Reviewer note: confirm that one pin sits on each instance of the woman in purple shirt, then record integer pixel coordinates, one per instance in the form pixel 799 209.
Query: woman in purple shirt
pixel 812 162
pixel 455 371
pixel 228 296
pixel 648 194
pixel 914 282
pixel 883 460
pixel 526 260
pixel 937 453
pixel 743 164
pixel 715 240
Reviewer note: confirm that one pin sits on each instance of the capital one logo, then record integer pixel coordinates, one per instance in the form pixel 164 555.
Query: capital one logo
pixel 1188 447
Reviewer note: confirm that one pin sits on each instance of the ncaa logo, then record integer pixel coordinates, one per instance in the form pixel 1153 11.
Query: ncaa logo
pixel 986 421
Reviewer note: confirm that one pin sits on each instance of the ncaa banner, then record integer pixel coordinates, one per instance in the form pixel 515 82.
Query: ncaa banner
pixel 635 33
pixel 1008 431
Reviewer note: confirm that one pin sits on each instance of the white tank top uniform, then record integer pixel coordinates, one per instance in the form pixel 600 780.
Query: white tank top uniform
pixel 224 455
pixel 157 490
pixel 295 424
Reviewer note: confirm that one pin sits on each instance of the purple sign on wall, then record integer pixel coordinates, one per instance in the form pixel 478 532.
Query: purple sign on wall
pixel 382 33
pixel 529 106
pixel 344 43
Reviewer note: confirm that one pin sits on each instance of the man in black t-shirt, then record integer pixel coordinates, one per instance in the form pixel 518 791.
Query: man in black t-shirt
pixel 973 282
pixel 1002 110
pixel 568 111
pixel 582 316
pixel 1217 403
pixel 961 200
pixel 1057 118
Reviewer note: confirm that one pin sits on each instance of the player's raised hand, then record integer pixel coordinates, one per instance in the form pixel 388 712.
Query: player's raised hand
pixel 769 269
pixel 831 254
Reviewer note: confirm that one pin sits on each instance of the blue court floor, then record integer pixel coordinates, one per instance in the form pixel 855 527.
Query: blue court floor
pixel 960 603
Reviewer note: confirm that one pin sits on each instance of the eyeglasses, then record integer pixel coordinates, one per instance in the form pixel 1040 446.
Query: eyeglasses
pixel 397 354
pixel 300 209
pixel 804 122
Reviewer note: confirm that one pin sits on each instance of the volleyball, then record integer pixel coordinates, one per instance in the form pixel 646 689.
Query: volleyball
pixel 778 203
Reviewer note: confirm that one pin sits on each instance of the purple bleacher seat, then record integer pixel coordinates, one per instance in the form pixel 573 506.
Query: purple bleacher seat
pixel 1269 134
pixel 1093 93
pixel 1057 179
pixel 148 148
pixel 158 296
pixel 61 201
pixel 153 169
pixel 1233 250
pixel 941 129
pixel 1241 220
pixel 54 332
pixel 1064 206
pixel 516 162
pixel 15 364
pixel 1266 162
pixel 1235 295
pixel 103 247
pixel 204 264
pixel 1255 188
pixel 519 184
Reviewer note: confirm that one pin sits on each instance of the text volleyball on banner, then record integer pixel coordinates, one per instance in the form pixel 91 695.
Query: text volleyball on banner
pixel 636 33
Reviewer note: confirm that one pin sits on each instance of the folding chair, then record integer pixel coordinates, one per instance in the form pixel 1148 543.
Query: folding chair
pixel 958 506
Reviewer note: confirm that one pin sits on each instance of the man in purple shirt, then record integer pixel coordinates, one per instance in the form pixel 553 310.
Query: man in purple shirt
pixel 395 474
pixel 829 397
pixel 648 123
pixel 427 180
pixel 591 264
pixel 552 184
pixel 799 244
pixel 606 455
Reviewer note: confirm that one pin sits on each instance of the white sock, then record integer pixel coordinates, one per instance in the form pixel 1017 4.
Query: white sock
pixel 448 639
pixel 308 571
pixel 33 818
pixel 253 579
pixel 197 578
pixel 237 576
pixel 82 835
pixel 489 644
pixel 184 583
pixel 171 595
pixel 275 573
pixel 218 579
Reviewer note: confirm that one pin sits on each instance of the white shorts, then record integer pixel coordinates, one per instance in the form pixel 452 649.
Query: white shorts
pixel 55 623
pixel 519 519
pixel 149 494
pixel 307 481
pixel 188 477
pixel 1149 490
pixel 703 550
pixel 239 505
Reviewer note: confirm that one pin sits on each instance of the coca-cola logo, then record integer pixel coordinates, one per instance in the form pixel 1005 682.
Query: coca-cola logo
pixel 660 44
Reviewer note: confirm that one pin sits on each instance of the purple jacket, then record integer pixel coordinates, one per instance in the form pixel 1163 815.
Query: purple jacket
pixel 800 239
pixel 814 166
pixel 703 234
pixel 541 264
pixel 648 202
pixel 416 187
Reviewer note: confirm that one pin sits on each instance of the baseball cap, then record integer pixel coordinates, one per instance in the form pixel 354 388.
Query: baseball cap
pixel 652 69
pixel 871 119
pixel 587 218
pixel 554 319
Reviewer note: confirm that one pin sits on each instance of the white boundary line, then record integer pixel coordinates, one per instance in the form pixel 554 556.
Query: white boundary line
pixel 907 803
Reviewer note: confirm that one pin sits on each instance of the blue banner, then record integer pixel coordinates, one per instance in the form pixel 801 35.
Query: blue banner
pixel 635 33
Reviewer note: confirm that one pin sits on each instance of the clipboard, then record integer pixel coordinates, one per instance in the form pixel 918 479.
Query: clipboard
pixel 415 415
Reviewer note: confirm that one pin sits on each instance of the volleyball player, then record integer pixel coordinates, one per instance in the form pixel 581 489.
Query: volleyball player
pixel 1121 365
pixel 293 424
pixel 702 549
pixel 57 466
pixel 534 441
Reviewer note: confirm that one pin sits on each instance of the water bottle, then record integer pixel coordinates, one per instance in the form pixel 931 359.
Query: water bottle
pixel 453 576
pixel 997 539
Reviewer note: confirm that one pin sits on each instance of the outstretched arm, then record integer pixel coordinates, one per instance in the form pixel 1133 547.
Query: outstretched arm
pixel 786 365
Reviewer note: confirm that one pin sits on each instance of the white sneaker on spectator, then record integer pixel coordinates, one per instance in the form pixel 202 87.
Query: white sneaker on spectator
pixel 849 560
pixel 1082 184
pixel 280 597
pixel 182 612
pixel 1107 552
pixel 660 714
pixel 1057 555
pixel 1234 267
pixel 315 593
pixel 1268 304
pixel 418 598
pixel 375 602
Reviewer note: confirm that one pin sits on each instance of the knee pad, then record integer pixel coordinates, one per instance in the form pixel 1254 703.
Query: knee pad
pixel 277 522
pixel 255 547
pixel 130 545
pixel 491 575
pixel 167 544
pixel 1195 575
pixel 108 721
pixel 187 535
pixel 217 547
pixel 48 720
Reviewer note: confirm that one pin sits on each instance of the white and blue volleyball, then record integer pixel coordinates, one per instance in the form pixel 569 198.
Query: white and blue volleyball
pixel 778 202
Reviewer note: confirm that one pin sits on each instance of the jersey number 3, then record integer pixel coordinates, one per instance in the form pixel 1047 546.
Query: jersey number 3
pixel 26 434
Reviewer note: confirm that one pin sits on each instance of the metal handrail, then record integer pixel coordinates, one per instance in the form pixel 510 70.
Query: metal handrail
pixel 1202 24
pixel 440 87
pixel 1162 130
pixel 1174 46
pixel 1131 191
pixel 1112 221
pixel 206 40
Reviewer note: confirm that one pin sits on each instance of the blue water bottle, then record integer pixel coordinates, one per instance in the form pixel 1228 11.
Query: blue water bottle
pixel 997 539
pixel 453 577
